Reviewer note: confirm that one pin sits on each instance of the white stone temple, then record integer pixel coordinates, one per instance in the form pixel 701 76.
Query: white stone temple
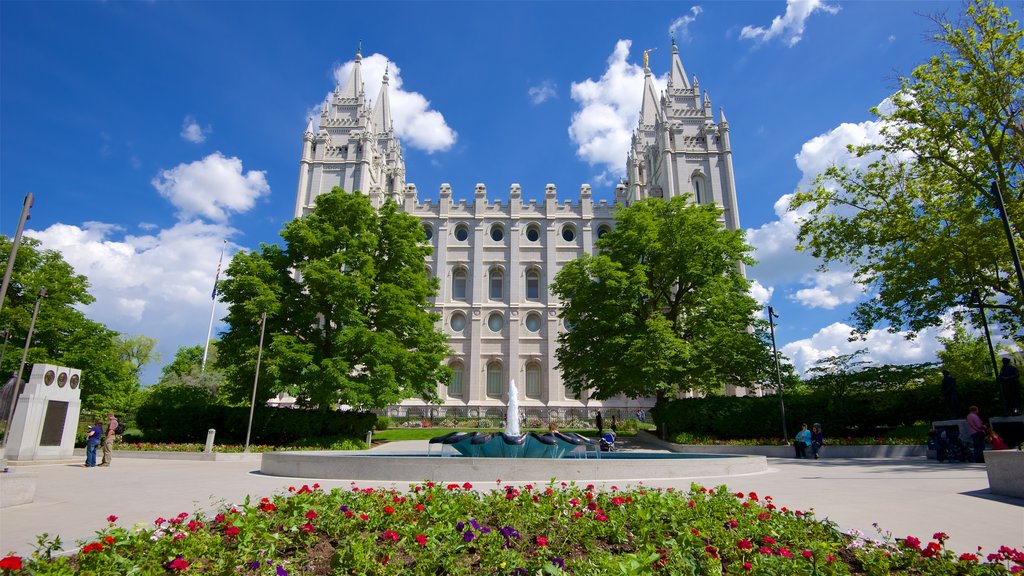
pixel 495 257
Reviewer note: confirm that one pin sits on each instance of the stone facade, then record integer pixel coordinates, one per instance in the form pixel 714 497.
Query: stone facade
pixel 496 258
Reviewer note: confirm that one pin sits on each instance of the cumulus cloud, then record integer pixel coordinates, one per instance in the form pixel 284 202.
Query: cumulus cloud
pixel 881 346
pixel 193 132
pixel 790 26
pixel 415 123
pixel 829 290
pixel 609 109
pixel 761 294
pixel 212 187
pixel 157 283
pixel 546 90
pixel 680 27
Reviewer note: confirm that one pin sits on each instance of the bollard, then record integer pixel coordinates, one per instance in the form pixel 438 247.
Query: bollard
pixel 369 439
pixel 209 440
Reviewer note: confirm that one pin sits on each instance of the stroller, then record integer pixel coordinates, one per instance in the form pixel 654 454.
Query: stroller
pixel 607 442
pixel 950 448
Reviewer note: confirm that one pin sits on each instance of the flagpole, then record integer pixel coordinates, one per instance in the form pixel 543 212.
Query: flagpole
pixel 213 308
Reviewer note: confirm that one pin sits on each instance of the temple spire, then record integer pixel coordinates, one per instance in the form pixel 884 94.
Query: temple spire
pixel 649 108
pixel 354 88
pixel 677 76
pixel 382 110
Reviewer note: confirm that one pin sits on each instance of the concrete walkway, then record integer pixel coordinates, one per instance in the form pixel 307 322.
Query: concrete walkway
pixel 904 496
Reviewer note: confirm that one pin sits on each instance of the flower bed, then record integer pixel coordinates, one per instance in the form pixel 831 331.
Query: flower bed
pixel 560 528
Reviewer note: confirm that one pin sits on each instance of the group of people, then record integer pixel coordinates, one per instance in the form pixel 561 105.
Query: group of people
pixel 813 439
pixel 98 434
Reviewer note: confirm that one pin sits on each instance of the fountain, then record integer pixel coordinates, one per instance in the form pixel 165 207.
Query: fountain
pixel 512 413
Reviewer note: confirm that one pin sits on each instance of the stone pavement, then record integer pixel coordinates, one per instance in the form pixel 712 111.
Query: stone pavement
pixel 904 496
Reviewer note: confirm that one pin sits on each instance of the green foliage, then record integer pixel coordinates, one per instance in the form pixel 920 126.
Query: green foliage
pixel 63 335
pixel 919 225
pixel 854 413
pixel 346 304
pixel 383 423
pixel 187 369
pixel 662 308
pixel 177 413
pixel 966 356
pixel 847 373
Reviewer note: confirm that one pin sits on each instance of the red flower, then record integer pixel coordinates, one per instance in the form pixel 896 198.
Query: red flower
pixel 11 563
pixel 911 542
pixel 784 552
pixel 389 510
pixel 831 558
pixel 618 501
pixel 390 535
pixel 111 518
pixel 748 566
pixel 109 539
pixel 542 541
pixel 178 563
pixel 94 547
pixel 712 551
pixel 364 517
pixel 765 550
pixel 968 558
pixel 940 536
pixel 232 531
pixel 467 486
pixel 420 507
pixel 311 515
pixel 421 539
pixel 308 528
pixel 808 554
pixel 745 544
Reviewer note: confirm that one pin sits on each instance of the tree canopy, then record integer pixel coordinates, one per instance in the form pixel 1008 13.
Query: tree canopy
pixel 663 307
pixel 63 335
pixel 346 301
pixel 919 224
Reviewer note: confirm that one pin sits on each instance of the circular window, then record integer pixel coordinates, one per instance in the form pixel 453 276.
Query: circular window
pixel 602 231
pixel 497 233
pixel 568 234
pixel 566 324
pixel 428 231
pixel 533 233
pixel 495 322
pixel 533 322
pixel 74 381
pixel 48 377
pixel 458 322
pixel 461 232
pixel 62 379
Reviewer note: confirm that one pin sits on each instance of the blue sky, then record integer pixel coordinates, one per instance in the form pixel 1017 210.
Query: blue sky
pixel 150 132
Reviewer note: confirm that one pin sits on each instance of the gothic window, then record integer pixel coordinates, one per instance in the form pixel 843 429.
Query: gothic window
pixel 533 322
pixel 602 230
pixel 461 232
pixel 533 380
pixel 495 322
pixel 569 394
pixel 455 386
pixel 459 281
pixel 497 284
pixel 494 380
pixel 497 233
pixel 533 284
pixel 533 233
pixel 699 190
pixel 428 231
pixel 569 233
pixel 457 322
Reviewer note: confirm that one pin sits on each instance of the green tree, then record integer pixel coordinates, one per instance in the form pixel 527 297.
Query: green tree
pixel 346 303
pixel 845 374
pixel 662 308
pixel 919 225
pixel 63 335
pixel 187 369
pixel 966 356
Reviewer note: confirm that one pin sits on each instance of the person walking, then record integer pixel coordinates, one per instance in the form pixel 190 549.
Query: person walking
pixel 1009 385
pixel 93 439
pixel 949 392
pixel 108 439
pixel 600 423
pixel 976 428
pixel 802 441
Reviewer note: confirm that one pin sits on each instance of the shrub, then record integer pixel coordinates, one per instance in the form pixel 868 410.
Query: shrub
pixel 382 423
pixel 177 413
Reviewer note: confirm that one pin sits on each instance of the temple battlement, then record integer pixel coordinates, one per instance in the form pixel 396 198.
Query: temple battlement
pixel 515 205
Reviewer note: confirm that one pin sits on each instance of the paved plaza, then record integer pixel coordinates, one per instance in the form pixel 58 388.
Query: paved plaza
pixel 912 496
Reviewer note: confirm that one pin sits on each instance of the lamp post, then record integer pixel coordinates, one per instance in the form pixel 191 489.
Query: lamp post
pixel 17 379
pixel 778 373
pixel 256 379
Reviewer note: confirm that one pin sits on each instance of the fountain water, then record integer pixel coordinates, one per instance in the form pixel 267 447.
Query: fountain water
pixel 512 411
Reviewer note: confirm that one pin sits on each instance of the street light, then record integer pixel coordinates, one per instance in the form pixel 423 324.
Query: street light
pixel 778 373
pixel 255 381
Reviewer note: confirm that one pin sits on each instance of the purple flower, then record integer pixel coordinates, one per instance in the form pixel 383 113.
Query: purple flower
pixel 558 562
pixel 460 526
pixel 468 536
pixel 343 508
pixel 254 565
pixel 519 572
pixel 474 524
pixel 281 571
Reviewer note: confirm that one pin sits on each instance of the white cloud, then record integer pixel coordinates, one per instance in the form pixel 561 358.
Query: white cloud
pixel 212 187
pixel 155 284
pixel 682 24
pixel 760 294
pixel 882 346
pixel 193 132
pixel 415 123
pixel 609 110
pixel 542 92
pixel 830 289
pixel 790 26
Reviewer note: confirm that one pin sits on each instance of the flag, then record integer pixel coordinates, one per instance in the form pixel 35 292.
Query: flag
pixel 216 277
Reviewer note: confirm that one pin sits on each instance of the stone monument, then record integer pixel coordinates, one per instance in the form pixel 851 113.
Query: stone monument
pixel 46 416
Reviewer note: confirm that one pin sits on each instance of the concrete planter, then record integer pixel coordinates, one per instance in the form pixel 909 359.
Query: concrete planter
pixel 1005 470
pixel 875 451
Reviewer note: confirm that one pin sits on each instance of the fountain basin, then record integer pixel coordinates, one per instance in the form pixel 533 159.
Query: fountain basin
pixel 622 466
pixel 532 445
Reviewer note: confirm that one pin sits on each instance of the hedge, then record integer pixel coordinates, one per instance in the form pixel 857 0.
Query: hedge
pixel 857 414
pixel 185 413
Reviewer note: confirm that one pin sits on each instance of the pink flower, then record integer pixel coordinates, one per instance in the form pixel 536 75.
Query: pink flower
pixel 421 539
pixel 542 541
pixel 111 518
pixel 308 528
pixel 748 566
pixel 768 540
pixel 231 531
pixel 311 515
pixel 808 554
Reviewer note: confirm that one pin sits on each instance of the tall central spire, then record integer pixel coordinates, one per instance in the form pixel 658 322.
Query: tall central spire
pixel 382 110
pixel 354 88
pixel 677 77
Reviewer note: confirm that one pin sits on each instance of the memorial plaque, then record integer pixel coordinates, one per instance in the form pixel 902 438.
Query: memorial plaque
pixel 53 423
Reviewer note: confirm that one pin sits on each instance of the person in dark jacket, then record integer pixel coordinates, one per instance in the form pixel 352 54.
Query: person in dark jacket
pixel 817 439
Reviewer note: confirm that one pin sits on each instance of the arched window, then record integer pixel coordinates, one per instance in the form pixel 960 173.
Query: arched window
pixel 459 280
pixel 497 233
pixel 455 387
pixel 494 380
pixel 602 230
pixel 497 284
pixel 699 190
pixel 461 232
pixel 569 394
pixel 533 380
pixel 428 231
pixel 569 233
pixel 533 284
